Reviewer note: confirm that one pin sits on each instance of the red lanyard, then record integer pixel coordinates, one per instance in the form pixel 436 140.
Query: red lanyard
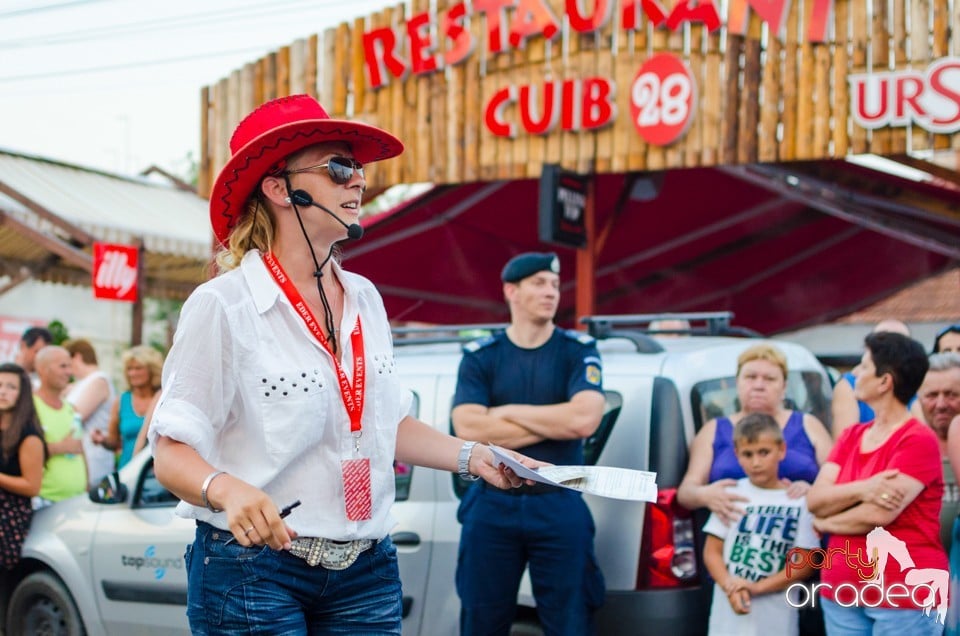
pixel 352 398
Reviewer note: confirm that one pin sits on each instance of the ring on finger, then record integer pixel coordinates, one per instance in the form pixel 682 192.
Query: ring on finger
pixel 884 496
pixel 248 531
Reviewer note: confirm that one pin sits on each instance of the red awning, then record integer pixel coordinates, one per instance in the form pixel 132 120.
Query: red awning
pixel 780 245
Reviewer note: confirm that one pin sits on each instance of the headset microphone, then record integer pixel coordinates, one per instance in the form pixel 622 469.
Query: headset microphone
pixel 302 197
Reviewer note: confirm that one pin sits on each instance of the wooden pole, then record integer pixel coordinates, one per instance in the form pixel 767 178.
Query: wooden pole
pixel 587 259
pixel 136 328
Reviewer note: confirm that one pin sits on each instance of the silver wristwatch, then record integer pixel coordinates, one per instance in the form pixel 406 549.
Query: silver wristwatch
pixel 463 462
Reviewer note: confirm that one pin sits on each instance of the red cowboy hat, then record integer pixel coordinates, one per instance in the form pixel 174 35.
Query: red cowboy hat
pixel 275 130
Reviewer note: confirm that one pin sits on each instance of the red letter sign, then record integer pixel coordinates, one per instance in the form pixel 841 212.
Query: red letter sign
pixel 461 42
pixel 379 52
pixel 662 98
pixel 930 99
pixel 115 271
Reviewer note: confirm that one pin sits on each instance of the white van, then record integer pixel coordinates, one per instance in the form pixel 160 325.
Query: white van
pixel 112 563
pixel 659 391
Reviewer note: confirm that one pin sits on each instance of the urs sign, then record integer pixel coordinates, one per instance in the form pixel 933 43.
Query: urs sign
pixel 927 98
pixel 115 269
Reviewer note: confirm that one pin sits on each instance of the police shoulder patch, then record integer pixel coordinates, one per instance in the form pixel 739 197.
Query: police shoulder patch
pixel 479 343
pixel 593 374
pixel 579 336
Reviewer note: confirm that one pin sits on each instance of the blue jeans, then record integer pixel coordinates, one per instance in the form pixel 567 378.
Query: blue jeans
pixel 877 621
pixel 236 590
pixel 953 613
pixel 502 534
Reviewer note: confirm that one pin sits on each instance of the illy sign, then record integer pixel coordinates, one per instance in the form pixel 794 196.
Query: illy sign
pixel 115 271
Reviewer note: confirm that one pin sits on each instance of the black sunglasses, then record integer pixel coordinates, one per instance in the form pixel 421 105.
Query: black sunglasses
pixel 340 169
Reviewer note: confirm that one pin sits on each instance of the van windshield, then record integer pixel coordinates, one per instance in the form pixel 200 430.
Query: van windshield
pixel 806 391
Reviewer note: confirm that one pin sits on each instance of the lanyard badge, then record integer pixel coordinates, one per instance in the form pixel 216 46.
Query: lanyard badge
pixel 358 501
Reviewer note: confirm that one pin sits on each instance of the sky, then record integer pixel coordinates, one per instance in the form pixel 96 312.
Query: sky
pixel 115 84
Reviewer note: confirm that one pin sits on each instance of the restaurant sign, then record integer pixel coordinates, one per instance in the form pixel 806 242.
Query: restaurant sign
pixel 383 46
pixel 660 99
pixel 929 99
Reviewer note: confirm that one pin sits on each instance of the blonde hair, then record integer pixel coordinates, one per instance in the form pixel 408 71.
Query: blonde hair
pixel 254 230
pixel 148 357
pixel 763 352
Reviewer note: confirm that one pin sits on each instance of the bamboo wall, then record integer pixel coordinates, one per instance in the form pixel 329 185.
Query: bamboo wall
pixel 761 98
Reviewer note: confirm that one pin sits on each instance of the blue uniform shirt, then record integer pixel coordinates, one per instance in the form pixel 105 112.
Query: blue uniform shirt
pixel 494 371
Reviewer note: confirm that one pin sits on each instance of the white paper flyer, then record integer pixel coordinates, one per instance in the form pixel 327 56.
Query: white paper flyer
pixel 603 481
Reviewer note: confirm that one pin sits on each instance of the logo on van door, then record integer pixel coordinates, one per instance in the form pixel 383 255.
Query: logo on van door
pixel 150 560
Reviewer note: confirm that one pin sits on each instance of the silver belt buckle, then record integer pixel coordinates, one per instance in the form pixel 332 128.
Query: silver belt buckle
pixel 333 555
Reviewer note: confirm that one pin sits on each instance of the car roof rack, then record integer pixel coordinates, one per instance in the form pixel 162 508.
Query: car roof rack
pixel 437 334
pixel 638 328
pixel 634 327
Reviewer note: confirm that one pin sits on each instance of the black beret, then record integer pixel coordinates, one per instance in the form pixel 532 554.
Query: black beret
pixel 528 264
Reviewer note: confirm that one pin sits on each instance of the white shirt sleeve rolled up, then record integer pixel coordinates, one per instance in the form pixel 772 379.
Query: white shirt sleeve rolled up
pixel 252 391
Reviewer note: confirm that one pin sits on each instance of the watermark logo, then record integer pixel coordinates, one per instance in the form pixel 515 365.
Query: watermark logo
pixel 926 588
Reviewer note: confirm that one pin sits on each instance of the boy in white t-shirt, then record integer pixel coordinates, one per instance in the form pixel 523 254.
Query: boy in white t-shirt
pixel 747 558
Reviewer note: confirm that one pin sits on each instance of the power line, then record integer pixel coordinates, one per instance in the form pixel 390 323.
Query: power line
pixel 278 7
pixel 239 14
pixel 118 67
pixel 45 8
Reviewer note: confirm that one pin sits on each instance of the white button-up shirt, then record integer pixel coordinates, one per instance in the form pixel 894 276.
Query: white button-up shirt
pixel 253 391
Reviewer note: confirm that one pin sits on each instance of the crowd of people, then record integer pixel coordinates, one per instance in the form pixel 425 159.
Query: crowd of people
pixel 243 434
pixel 884 514
pixel 64 427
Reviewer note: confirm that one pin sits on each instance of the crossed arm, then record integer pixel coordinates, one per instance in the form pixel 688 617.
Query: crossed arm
pixel 857 507
pixel 518 425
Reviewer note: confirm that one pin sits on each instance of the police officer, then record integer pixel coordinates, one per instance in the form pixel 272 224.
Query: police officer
pixel 537 389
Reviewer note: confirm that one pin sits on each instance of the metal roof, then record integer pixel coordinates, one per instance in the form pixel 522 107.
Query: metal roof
pixel 52 212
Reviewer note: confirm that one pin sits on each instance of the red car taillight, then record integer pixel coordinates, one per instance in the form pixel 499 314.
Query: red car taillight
pixel 668 548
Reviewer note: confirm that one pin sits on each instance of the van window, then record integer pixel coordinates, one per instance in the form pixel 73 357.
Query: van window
pixel 593 445
pixel 402 471
pixel 806 391
pixel 150 492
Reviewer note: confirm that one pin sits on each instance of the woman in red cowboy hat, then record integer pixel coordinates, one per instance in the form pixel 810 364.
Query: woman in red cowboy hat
pixel 280 395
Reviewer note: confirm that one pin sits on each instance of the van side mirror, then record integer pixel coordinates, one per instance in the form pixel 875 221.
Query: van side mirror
pixel 110 490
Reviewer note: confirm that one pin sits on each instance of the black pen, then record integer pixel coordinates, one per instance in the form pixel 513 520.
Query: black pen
pixel 284 512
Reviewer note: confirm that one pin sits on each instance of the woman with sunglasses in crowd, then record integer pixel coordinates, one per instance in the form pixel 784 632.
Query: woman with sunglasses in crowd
pixel 22 455
pixel 280 390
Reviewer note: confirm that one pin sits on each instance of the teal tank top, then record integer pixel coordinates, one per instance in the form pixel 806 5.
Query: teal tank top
pixel 130 424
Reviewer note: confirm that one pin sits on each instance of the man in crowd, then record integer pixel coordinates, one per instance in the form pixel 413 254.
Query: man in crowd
pixel 537 389
pixel 940 394
pixel 65 472
pixel 939 400
pixel 33 340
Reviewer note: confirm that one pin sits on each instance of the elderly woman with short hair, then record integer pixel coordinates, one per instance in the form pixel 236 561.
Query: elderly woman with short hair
pixel 713 467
